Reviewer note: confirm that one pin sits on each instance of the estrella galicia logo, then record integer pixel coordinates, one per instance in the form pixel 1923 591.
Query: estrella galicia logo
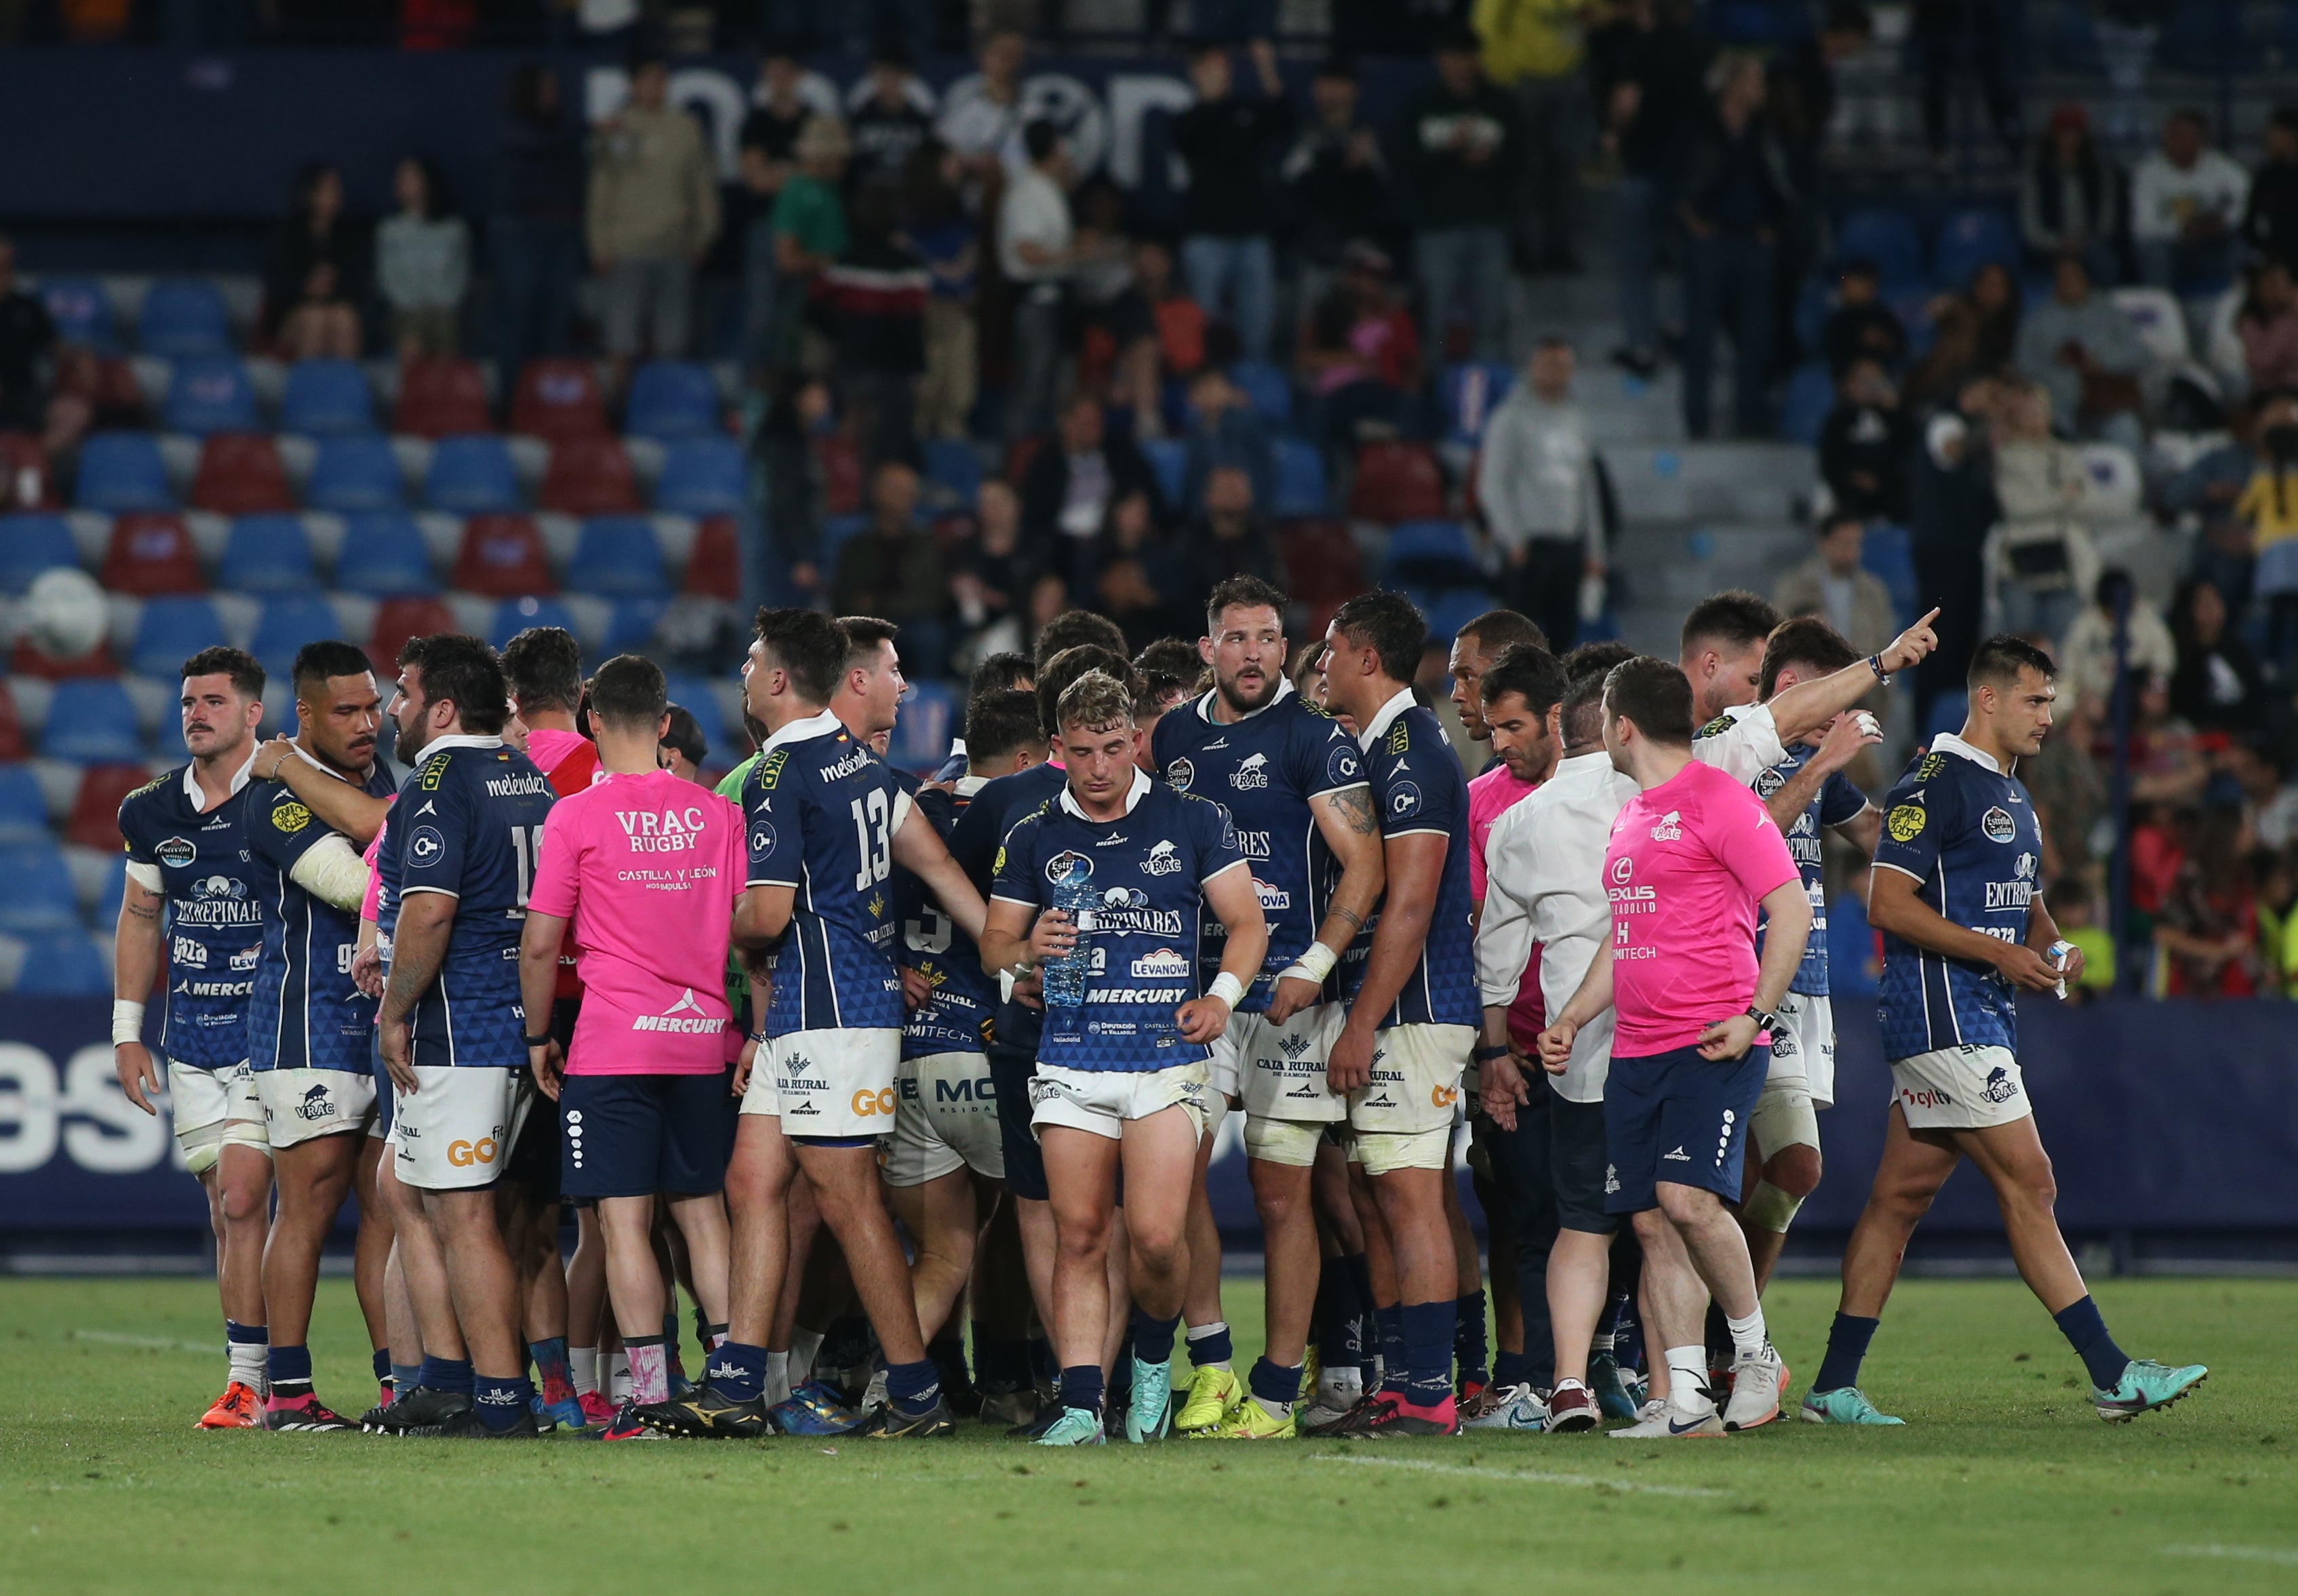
pixel 426 847
pixel 177 852
pixel 1181 772
pixel 1068 865
pixel 1998 825
pixel 1770 782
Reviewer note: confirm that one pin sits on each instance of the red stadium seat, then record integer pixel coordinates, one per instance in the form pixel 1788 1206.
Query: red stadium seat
pixel 714 568
pixel 27 484
pixel 1397 482
pixel 440 395
pixel 502 557
pixel 558 399
pixel 590 476
pixel 1322 565
pixel 151 553
pixel 12 729
pixel 398 619
pixel 240 475
pixel 27 659
pixel 94 821
pixel 841 475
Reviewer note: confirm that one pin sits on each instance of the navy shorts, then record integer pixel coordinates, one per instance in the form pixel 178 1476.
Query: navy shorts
pixel 632 1136
pixel 1010 1070
pixel 387 1096
pixel 1678 1117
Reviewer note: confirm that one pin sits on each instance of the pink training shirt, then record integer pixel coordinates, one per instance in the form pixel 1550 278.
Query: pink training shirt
pixel 1491 796
pixel 646 869
pixel 1688 862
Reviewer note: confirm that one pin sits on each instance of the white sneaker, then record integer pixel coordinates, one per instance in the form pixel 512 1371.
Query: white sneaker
pixel 1757 1379
pixel 1516 1408
pixel 1338 1390
pixel 874 1396
pixel 1665 1421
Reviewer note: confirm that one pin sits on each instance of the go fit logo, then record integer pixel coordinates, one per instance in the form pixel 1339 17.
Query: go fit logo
pixel 867 1103
pixel 463 1155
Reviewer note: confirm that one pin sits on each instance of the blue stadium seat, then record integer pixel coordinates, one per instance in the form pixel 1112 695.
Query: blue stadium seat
pixel 1299 478
pixel 629 626
pixel 209 393
pixel 115 885
pixel 170 630
pixel 1470 392
pixel 287 622
pixel 1169 458
pixel 1949 712
pixel 694 693
pixel 673 399
pixel 1434 552
pixel 1449 610
pixel 354 474
pixel 835 531
pixel 1269 389
pixel 63 967
pixel 23 811
pixel 929 719
pixel 1889 551
pixel 267 554
pixel 384 555
pixel 952 463
pixel 30 544
pixel 1759 22
pixel 618 556
pixel 515 616
pixel 181 317
pixel 703 476
pixel 325 399
pixel 1850 947
pixel 92 721
pixel 82 312
pixel 39 901
pixel 1889 240
pixel 1969 240
pixel 1811 395
pixel 122 471
pixel 472 474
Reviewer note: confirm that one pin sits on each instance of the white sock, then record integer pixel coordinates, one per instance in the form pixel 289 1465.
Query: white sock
pixel 1747 1334
pixel 1339 1386
pixel 804 1344
pixel 583 1367
pixel 1687 1380
pixel 649 1372
pixel 1199 1333
pixel 247 1362
pixel 778 1380
pixel 618 1377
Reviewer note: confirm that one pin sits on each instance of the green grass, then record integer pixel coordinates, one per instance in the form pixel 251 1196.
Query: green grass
pixel 2002 1482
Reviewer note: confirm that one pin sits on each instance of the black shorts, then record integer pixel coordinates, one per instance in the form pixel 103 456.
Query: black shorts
pixel 632 1136
pixel 533 1160
pixel 1680 1118
pixel 1577 1162
pixel 1010 1070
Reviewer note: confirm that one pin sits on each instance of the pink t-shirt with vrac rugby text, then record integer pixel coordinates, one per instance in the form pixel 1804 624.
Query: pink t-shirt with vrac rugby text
pixel 648 868
pixel 1688 862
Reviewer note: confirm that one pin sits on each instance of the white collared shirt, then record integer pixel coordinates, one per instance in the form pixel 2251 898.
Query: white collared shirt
pixel 798 731
pixel 1948 742
pixel 1383 718
pixel 1205 705
pixel 239 779
pixel 437 745
pixel 1132 796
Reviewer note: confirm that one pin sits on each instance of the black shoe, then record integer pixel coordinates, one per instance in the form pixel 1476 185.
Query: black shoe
pixel 420 1410
pixel 889 1423
pixel 706 1415
pixel 1371 1409
pixel 957 1384
pixel 467 1425
pixel 1048 1414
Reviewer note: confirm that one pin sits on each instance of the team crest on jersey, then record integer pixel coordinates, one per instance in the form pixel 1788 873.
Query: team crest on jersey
pixel 762 838
pixel 1670 828
pixel 1769 783
pixel 2023 866
pixel 1164 859
pixel 1342 767
pixel 1066 867
pixel 291 818
pixel 1251 775
pixel 426 847
pixel 1179 774
pixel 177 852
pixel 1906 821
pixel 1403 799
pixel 1998 825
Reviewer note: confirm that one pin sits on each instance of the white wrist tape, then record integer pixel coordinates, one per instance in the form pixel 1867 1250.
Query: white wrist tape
pixel 127 1021
pixel 1228 988
pixel 1313 965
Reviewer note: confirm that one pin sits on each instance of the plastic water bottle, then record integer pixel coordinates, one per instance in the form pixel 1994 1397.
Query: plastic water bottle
pixel 1073 895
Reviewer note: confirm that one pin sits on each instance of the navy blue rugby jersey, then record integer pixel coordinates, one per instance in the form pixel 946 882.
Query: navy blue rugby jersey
pixel 1264 770
pixel 213 922
pixel 304 1013
pixel 1967 833
pixel 1838 801
pixel 957 1018
pixel 1147 870
pixel 1418 787
pixel 997 806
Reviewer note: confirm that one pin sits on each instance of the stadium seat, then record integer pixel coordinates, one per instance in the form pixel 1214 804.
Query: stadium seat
pixel 618 556
pixel 703 476
pixel 209 393
pixel 1299 478
pixel 835 531
pixel 841 474
pixel 1969 240
pixel 82 312
pixel 150 552
pixel 952 464
pixel 240 474
pixel 26 473
pixel 327 399
pixel 114 889
pixel 1889 552
pixel 440 395
pixel 122 471
pixel 1448 609
pixel 1432 552
pixel 2161 324
pixel 1267 388
pixel 590 476
pixel 267 554
pixel 1887 238
pixel 170 630
pixel 288 622
pixel 1470 392
pixel 398 619
pixel 515 616
pixel 1169 458
pixel 630 623
pixel 558 399
pixel 1397 482
pixel 713 568
pixel 13 743
pixel 92 721
pixel 384 555
pixel 1811 395
pixel 30 544
pixel 693 693
pixel 39 901
pixel 94 820
pixel 472 474
pixel 922 731
pixel 1322 565
pixel 23 810
pixel 355 473
pixel 64 966
pixel 502 557
pixel 671 400
pixel 183 317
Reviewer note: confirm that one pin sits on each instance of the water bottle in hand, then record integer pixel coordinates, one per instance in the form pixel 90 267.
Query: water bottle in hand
pixel 1073 895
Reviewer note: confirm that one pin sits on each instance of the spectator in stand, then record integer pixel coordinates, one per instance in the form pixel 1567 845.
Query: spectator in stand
pixel 316 274
pixel 1951 505
pixel 1180 319
pixel 2086 654
pixel 2208 927
pixel 890 125
pixel 1225 430
pixel 949 243
pixel 2070 196
pixel 1833 585
pixel 2044 559
pixel 1799 97
pixel 1105 296
pixel 796 493
pixel 2074 906
pixel 534 239
pixel 1229 209
pixel 2269 221
pixel 810 231
pixel 2211 487
pixel 1462 144
pixel 2186 200
pixel 1535 49
pixel 1862 445
pixel 2268 505
pixel 1648 67
pixel 422 264
pixel 2268 326
pixel 1862 326
pixel 1536 485
pixel 653 214
pixel 982 118
pixel 893 569
pixel 2167 761
pixel 1134 576
pixel 1998 300
pixel 1952 360
pixel 1035 248
pixel 1948 38
pixel 1336 181
pixel 2270 799
pixel 2215 682
pixel 2084 352
pixel 1734 198
pixel 989 579
pixel 28 341
pixel 1228 537
pixel 768 156
pixel 1360 355
pixel 2068 784
pixel 874 297
pixel 1071 484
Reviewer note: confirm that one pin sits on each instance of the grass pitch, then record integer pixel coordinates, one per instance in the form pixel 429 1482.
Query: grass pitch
pixel 2002 1481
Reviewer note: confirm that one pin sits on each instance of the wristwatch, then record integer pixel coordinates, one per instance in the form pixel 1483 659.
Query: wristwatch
pixel 1486 1056
pixel 1764 1021
pixel 540 1041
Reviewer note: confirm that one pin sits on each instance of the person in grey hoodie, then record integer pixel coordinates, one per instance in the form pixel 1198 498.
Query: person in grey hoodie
pixel 1536 483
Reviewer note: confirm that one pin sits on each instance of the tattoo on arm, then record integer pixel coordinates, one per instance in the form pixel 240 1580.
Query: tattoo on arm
pixel 144 911
pixel 1355 807
pixel 1342 912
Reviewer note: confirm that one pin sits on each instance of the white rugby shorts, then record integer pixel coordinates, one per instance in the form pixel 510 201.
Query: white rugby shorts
pixel 1417 1071
pixel 301 1104
pixel 828 1083
pixel 1102 1100
pixel 454 1130
pixel 1803 1047
pixel 1960 1089
pixel 211 1107
pixel 1277 1071
pixel 945 1119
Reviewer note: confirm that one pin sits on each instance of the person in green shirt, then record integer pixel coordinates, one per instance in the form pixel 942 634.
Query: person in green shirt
pixel 809 228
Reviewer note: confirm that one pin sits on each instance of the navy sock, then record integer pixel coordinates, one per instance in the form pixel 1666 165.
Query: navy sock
pixel 1043 1369
pixel 1121 1372
pixel 501 1401
pixel 1846 1345
pixel 737 1371
pixel 948 1354
pixel 1081 1387
pixel 406 1376
pixel 1427 1332
pixel 913 1387
pixel 1275 1385
pixel 1005 1364
pixel 1358 1272
pixel 1470 1348
pixel 1214 1346
pixel 289 1370
pixel 1509 1369
pixel 1391 1322
pixel 1330 1317
pixel 1153 1338
pixel 2086 1331
pixel 382 1363
pixel 446 1373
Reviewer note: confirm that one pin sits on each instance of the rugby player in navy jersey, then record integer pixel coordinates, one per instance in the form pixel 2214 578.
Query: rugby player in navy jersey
pixel 1964 932
pixel 1122 1060
pixel 1293 785
pixel 189 898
